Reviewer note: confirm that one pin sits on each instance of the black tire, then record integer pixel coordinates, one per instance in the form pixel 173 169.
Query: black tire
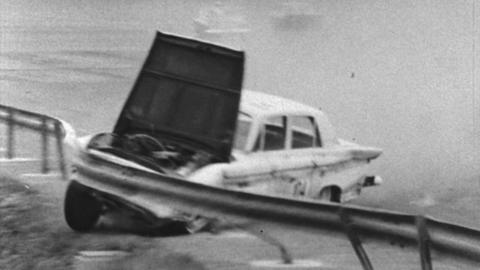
pixel 81 209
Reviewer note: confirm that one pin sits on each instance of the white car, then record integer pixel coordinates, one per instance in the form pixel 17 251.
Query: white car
pixel 184 120
pixel 285 148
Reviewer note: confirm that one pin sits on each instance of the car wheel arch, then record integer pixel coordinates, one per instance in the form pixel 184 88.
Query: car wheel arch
pixel 332 193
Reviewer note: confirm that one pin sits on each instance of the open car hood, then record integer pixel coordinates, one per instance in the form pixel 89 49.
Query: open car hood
pixel 187 91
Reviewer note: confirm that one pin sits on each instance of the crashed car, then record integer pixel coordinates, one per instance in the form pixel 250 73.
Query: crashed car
pixel 187 118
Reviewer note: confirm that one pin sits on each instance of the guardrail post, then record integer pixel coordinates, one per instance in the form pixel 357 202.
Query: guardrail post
pixel 355 241
pixel 10 134
pixel 61 156
pixel 44 133
pixel 284 253
pixel 287 258
pixel 423 243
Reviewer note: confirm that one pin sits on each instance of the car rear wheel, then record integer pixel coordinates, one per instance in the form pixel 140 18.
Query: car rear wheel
pixel 81 209
pixel 330 194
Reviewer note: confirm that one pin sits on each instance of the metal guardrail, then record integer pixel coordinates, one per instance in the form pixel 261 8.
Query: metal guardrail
pixel 381 226
pixel 243 209
pixel 45 125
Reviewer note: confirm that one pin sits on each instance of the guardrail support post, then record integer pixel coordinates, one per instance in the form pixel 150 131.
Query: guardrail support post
pixel 10 134
pixel 44 132
pixel 284 253
pixel 355 241
pixel 423 243
pixel 61 156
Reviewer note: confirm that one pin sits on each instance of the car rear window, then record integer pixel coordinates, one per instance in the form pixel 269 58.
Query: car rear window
pixel 273 135
pixel 304 132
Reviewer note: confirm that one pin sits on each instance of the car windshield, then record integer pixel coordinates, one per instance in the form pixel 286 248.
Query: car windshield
pixel 244 123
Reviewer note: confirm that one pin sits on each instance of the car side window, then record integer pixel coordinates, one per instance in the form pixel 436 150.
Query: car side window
pixel 272 135
pixel 304 132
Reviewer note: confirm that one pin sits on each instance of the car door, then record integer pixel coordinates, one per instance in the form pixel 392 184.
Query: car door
pixel 274 170
pixel 264 175
pixel 304 138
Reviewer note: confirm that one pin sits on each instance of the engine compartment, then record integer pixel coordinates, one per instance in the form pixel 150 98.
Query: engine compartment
pixel 164 156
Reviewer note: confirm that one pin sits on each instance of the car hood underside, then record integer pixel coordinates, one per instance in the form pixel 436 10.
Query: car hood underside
pixel 187 91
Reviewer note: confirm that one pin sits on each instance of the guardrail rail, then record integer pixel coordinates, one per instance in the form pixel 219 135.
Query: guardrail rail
pixel 357 223
pixel 44 125
pixel 379 226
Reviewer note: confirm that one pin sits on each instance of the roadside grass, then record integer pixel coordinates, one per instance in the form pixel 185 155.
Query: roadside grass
pixel 34 236
pixel 28 239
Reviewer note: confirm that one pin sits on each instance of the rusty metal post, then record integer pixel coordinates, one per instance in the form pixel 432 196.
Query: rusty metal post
pixel 10 134
pixel 287 257
pixel 44 133
pixel 61 155
pixel 355 241
pixel 423 243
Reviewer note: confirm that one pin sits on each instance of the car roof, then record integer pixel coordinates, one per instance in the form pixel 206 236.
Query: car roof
pixel 258 104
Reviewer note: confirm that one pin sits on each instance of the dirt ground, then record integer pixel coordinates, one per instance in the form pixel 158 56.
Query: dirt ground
pixel 33 235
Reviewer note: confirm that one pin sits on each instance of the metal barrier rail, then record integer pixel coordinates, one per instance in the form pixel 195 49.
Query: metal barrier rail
pixel 245 209
pixel 45 125
pixel 147 188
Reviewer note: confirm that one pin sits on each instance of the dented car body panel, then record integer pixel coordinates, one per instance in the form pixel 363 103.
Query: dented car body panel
pixel 189 123
pixel 290 149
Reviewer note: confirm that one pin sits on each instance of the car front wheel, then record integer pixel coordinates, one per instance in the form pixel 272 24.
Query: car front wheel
pixel 81 209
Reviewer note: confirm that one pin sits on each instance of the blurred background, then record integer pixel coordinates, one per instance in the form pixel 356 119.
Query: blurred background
pixel 397 74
